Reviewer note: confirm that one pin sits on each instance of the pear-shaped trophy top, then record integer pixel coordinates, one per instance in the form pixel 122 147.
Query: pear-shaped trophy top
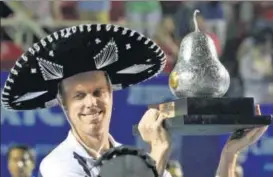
pixel 198 71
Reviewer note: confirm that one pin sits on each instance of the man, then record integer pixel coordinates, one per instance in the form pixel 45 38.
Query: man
pixel 80 71
pixel 79 67
pixel 21 161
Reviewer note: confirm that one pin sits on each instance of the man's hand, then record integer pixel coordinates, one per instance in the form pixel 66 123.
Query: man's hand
pixel 152 131
pixel 236 143
pixel 244 138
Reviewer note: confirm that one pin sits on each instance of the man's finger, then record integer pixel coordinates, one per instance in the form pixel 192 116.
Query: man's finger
pixel 256 133
pixel 258 110
pixel 259 132
pixel 148 120
pixel 160 119
pixel 150 115
pixel 262 129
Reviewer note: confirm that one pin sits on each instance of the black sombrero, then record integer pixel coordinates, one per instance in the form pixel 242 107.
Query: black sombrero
pixel 126 55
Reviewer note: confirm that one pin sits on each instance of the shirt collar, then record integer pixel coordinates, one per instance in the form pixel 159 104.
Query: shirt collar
pixel 79 149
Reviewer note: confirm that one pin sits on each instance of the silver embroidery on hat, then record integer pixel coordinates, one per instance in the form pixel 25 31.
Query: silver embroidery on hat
pixel 36 47
pixel 88 27
pixel 18 64
pixel 140 37
pixel 10 80
pixel 62 32
pixel 51 53
pixel 31 51
pixel 74 29
pixel 24 58
pixel 108 27
pixel 68 32
pixel 125 30
pixel 132 33
pixel 161 53
pixel 128 46
pixel 107 56
pixel 49 38
pixel 43 42
pixel 29 96
pixel 98 27
pixel 7 87
pixel 55 34
pixel 162 58
pixel 115 28
pixel 137 68
pixel 33 70
pixel 5 99
pixel 152 46
pixel 5 93
pixel 81 28
pixel 50 70
pixel 14 71
pixel 147 41
pixel 97 40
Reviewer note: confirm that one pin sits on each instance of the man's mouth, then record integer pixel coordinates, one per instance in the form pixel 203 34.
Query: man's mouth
pixel 93 117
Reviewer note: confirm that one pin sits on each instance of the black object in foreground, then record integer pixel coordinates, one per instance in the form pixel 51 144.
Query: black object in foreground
pixel 126 161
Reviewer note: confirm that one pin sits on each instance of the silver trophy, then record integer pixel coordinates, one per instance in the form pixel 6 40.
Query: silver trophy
pixel 198 72
pixel 199 81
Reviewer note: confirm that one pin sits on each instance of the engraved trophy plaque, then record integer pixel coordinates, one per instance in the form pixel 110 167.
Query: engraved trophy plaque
pixel 199 81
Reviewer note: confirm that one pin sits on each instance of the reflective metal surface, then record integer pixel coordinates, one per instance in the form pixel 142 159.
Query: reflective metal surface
pixel 198 71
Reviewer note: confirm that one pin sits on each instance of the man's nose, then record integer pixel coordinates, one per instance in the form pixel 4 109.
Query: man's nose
pixel 90 101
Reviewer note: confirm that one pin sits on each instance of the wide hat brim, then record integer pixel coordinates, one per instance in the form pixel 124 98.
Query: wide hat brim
pixel 127 56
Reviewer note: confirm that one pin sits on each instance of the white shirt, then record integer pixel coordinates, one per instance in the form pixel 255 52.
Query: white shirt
pixel 70 159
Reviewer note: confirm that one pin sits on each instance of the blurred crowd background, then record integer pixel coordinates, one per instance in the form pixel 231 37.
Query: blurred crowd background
pixel 242 33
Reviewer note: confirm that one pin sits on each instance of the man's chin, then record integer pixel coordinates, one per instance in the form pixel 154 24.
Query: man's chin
pixel 96 132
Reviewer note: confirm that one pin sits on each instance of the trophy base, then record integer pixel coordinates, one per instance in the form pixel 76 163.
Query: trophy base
pixel 211 124
pixel 209 116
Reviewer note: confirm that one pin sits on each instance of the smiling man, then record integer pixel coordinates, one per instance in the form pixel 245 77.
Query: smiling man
pixel 79 68
pixel 87 100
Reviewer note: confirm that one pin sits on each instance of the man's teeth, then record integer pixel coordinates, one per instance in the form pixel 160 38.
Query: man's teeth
pixel 96 114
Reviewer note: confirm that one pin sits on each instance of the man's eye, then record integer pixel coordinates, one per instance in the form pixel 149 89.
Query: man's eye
pixel 79 96
pixel 98 92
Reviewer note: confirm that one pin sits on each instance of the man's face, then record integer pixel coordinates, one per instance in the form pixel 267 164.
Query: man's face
pixel 88 102
pixel 16 155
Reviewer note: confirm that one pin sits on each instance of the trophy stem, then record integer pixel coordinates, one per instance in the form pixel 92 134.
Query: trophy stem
pixel 196 28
